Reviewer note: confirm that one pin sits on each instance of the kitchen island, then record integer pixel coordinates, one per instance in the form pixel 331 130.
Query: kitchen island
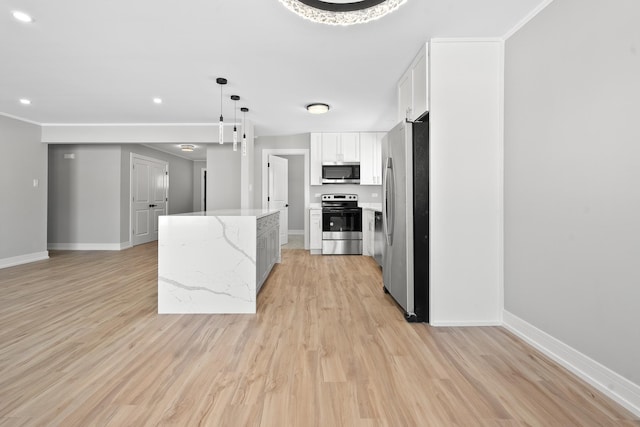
pixel 215 261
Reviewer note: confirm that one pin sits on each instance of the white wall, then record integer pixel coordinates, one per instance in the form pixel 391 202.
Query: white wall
pixel 572 178
pixel 23 207
pixel 466 182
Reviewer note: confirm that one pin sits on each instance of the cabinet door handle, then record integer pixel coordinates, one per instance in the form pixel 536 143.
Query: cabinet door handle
pixel 152 206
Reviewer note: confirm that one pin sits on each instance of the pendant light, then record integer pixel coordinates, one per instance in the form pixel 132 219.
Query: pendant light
pixel 235 99
pixel 244 132
pixel 221 81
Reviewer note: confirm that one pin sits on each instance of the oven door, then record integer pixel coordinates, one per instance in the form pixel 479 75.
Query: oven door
pixel 341 223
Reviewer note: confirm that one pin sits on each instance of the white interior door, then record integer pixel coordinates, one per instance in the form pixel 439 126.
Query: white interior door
pixel 278 197
pixel 149 183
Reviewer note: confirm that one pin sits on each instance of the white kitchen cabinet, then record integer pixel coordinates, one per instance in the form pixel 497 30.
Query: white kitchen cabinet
pixel 350 147
pixel 315 161
pixel 341 147
pixel 315 231
pixel 368 232
pixel 371 158
pixel 413 87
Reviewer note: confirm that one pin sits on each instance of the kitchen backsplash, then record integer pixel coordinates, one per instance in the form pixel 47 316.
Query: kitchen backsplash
pixel 366 193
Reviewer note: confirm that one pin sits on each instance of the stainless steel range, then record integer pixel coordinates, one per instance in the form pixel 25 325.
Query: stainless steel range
pixel 341 225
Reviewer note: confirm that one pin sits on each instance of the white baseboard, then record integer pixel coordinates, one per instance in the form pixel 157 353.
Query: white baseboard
pixel 23 259
pixel 604 379
pixel 89 246
pixel 296 232
pixel 463 324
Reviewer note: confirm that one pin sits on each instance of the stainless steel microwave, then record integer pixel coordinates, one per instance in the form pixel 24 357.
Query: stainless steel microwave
pixel 341 173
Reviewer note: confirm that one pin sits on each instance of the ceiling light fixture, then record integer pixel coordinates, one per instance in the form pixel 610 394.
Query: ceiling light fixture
pixel 157 100
pixel 342 13
pixel 22 17
pixel 235 99
pixel 25 101
pixel 221 81
pixel 187 147
pixel 318 108
pixel 244 110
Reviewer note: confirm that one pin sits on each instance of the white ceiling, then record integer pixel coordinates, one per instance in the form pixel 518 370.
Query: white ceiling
pixel 103 61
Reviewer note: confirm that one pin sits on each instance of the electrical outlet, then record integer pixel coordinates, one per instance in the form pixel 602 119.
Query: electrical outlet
pixel 374 194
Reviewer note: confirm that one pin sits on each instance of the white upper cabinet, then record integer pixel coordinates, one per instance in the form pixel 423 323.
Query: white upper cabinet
pixel 340 147
pixel 362 147
pixel 371 158
pixel 413 87
pixel 350 147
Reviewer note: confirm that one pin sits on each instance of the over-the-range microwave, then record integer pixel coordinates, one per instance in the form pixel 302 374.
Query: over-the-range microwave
pixel 341 173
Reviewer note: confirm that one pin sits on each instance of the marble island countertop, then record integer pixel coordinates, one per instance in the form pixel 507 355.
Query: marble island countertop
pixel 258 213
pixel 215 261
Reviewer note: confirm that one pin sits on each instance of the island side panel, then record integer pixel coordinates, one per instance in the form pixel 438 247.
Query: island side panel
pixel 207 264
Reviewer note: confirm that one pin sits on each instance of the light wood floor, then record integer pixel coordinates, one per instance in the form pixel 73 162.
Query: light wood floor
pixel 81 344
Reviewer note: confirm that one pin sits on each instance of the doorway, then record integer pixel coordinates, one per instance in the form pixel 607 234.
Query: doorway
pixel 265 180
pixel 149 197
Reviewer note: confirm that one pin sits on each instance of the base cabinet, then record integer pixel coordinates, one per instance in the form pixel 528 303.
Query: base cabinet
pixel 368 232
pixel 267 247
pixel 315 231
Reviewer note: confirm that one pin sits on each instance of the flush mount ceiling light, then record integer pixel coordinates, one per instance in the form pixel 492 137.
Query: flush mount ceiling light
pixel 157 100
pixel 317 108
pixel 25 101
pixel 187 147
pixel 342 12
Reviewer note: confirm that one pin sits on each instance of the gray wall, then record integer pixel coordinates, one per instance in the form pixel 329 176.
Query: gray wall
pixel 223 177
pixel 296 192
pixel 84 194
pixel 89 195
pixel 23 207
pixel 572 178
pixel 302 141
pixel 198 165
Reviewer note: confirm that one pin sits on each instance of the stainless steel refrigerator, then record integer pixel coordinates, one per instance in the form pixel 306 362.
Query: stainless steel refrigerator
pixel 405 217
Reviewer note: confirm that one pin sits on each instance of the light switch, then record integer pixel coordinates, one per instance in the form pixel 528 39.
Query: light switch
pixel 35 182
pixel 374 194
pixel 69 155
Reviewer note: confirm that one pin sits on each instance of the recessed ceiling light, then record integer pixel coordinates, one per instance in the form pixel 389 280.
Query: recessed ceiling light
pixel 187 147
pixel 25 101
pixel 157 100
pixel 317 108
pixel 21 16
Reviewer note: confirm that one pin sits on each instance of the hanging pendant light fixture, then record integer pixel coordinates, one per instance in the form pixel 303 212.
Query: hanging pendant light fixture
pixel 221 81
pixel 244 132
pixel 235 99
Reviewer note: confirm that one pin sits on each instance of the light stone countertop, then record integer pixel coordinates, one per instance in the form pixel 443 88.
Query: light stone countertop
pixel 258 213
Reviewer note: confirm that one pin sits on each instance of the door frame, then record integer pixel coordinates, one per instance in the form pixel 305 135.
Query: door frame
pixel 265 180
pixel 150 159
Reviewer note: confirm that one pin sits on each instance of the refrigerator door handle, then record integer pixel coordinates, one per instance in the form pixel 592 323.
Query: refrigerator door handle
pixel 388 212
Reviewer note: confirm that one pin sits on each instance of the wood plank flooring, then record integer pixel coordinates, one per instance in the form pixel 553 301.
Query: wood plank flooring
pixel 81 344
